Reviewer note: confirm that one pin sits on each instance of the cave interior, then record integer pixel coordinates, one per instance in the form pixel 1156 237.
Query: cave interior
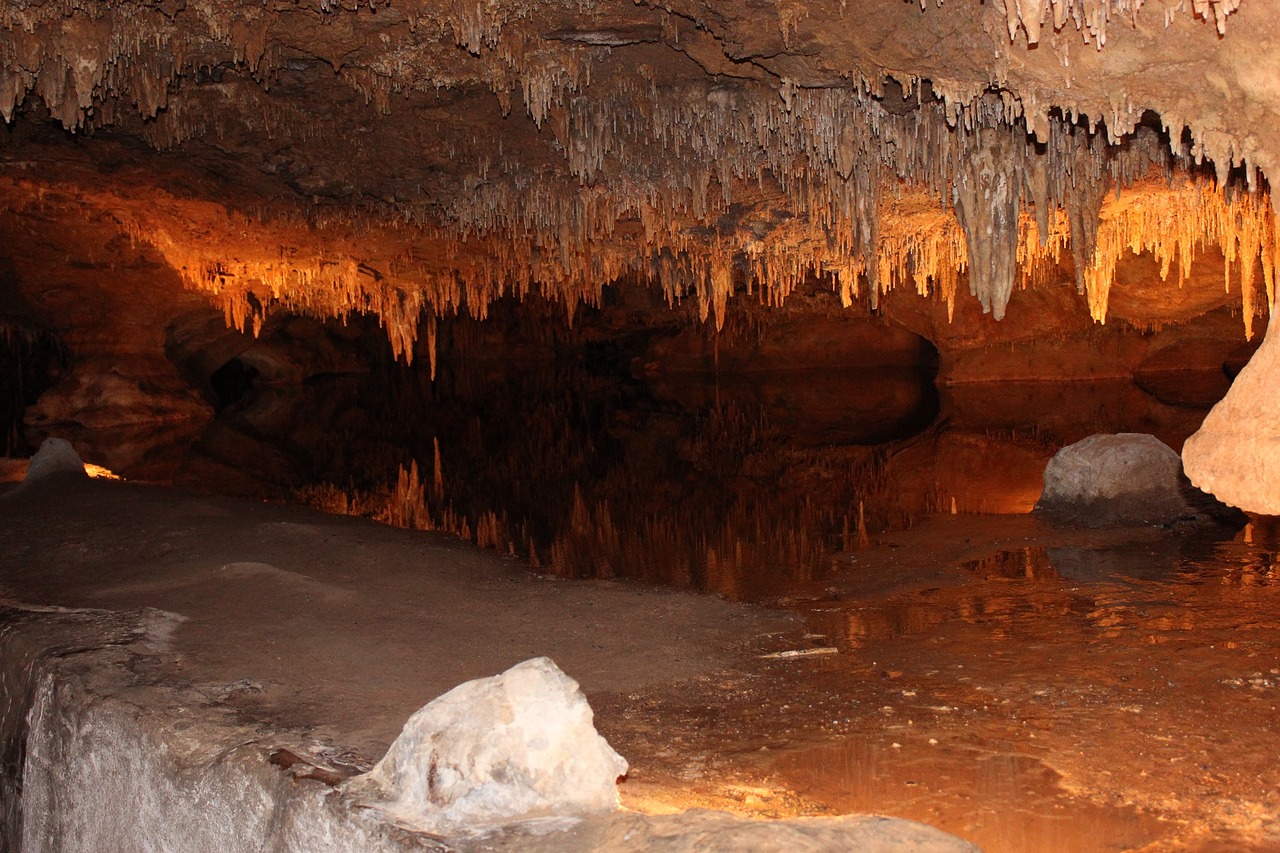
pixel 722 297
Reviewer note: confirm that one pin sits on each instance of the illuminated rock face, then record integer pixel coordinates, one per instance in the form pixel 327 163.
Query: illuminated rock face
pixel 404 158
pixel 1236 454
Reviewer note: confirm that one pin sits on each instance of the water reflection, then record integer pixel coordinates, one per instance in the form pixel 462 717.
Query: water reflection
pixel 815 407
pixel 1023 564
pixel 1054 696
pixel 745 484
pixel 1173 582
pixel 1000 800
pixel 763 486
pixel 582 474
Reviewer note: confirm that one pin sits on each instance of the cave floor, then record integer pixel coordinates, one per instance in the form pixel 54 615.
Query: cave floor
pixel 1023 687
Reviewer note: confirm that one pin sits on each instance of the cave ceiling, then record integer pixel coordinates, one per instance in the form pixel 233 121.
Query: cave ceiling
pixel 413 159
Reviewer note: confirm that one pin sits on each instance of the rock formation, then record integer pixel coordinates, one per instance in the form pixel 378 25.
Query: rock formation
pixel 410 161
pixel 55 458
pixel 1127 478
pixel 494 751
pixel 1236 453
pixel 99 756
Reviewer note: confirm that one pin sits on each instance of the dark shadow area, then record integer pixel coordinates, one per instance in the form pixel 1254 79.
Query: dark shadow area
pixel 232 382
pixel 608 450
pixel 31 362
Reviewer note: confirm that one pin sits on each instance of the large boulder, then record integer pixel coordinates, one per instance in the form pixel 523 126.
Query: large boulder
pixel 1121 478
pixel 1235 455
pixel 496 750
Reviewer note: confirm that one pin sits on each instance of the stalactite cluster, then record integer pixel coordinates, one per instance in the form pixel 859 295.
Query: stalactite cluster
pixel 1173 226
pixel 490 148
pixel 1091 17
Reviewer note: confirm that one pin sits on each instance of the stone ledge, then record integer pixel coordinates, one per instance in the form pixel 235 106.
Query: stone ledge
pixel 113 760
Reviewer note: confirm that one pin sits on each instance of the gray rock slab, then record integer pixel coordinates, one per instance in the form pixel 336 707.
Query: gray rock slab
pixel 114 759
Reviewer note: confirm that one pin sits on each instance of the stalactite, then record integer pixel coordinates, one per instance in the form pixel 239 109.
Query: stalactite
pixel 1092 16
pixel 987 204
pixel 1172 224
pixel 773 184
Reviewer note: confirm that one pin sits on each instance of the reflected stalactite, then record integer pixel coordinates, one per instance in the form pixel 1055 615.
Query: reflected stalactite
pixel 709 528
pixel 537 441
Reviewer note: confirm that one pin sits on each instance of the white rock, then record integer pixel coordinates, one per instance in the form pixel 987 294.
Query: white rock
pixel 55 457
pixel 493 751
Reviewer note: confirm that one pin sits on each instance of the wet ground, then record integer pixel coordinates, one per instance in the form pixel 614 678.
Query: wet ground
pixel 1025 688
pixel 951 658
pixel 1055 694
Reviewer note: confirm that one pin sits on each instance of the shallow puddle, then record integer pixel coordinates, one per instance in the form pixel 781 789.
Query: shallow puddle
pixel 1000 801
pixel 1050 697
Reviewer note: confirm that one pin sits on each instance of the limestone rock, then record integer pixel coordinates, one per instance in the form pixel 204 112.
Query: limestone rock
pixel 111 760
pixel 104 392
pixel 1125 478
pixel 56 457
pixel 1235 455
pixel 495 750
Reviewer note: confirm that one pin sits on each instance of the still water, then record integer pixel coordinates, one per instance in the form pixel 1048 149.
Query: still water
pixel 741 485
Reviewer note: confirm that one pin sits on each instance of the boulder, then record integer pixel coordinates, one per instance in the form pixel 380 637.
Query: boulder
pixel 1124 478
pixel 55 458
pixel 493 751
